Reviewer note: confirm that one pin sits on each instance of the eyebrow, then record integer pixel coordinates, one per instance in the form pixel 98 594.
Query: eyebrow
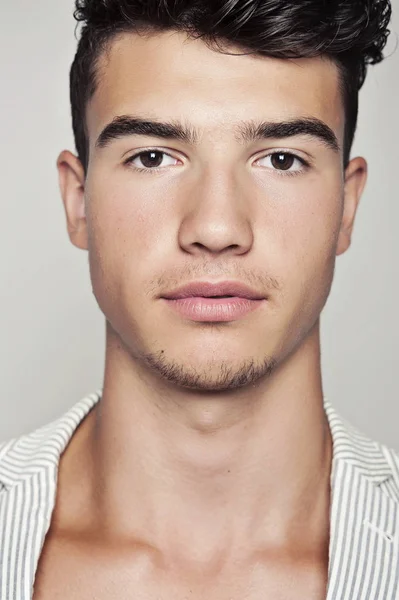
pixel 250 131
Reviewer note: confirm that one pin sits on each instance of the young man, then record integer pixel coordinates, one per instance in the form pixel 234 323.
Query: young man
pixel 213 189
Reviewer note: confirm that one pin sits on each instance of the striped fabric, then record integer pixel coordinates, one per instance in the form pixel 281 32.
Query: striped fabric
pixel 364 530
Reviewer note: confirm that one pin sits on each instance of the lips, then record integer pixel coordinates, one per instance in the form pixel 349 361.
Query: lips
pixel 214 302
pixel 224 289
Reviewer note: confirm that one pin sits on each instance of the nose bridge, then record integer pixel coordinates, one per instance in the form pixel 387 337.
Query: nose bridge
pixel 217 215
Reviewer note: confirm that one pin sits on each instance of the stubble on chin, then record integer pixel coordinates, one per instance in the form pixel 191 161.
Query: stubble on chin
pixel 218 376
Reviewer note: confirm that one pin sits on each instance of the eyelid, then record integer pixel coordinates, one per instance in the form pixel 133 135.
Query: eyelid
pixel 294 153
pixel 305 165
pixel 139 151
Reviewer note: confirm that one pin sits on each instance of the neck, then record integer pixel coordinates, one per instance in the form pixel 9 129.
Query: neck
pixel 230 469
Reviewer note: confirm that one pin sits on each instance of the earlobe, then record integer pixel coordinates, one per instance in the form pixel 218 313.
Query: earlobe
pixel 72 186
pixel 355 181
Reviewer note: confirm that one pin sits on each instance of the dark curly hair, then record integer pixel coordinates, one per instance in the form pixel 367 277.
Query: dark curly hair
pixel 353 33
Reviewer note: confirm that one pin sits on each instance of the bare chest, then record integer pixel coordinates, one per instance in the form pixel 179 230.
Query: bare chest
pixel 69 571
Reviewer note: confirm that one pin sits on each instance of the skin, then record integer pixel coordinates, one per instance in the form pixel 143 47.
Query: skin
pixel 177 489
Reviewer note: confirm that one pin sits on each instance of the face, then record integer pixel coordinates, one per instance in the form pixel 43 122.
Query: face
pixel 258 218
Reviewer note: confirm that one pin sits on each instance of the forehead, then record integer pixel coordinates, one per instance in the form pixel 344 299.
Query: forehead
pixel 171 76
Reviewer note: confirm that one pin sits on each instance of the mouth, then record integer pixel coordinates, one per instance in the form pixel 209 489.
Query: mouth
pixel 214 302
pixel 221 290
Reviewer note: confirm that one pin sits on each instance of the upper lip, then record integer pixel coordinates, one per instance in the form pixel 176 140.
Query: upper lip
pixel 210 290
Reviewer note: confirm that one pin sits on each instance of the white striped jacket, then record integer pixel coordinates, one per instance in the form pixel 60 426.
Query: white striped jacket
pixel 364 528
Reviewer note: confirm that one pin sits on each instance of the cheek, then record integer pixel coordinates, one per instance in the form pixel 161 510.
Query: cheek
pixel 126 215
pixel 305 224
pixel 307 217
pixel 129 229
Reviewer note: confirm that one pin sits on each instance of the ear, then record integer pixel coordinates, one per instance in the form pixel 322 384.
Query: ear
pixel 72 185
pixel 355 180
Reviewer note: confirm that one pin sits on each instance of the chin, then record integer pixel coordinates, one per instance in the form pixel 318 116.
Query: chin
pixel 210 375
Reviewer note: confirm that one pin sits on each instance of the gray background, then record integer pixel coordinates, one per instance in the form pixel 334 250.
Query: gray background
pixel 52 332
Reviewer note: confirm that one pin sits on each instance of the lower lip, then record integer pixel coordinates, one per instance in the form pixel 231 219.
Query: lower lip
pixel 214 310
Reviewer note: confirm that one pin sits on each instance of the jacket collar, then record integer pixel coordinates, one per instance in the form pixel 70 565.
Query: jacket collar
pixel 31 454
pixel 28 477
pixel 364 536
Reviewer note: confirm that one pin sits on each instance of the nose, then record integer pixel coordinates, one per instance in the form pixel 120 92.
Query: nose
pixel 216 218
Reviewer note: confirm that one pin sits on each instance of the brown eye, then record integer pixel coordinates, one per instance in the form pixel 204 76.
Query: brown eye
pixel 151 159
pixel 282 161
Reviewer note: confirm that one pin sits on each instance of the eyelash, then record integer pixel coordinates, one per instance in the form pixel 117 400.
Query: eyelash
pixel 281 173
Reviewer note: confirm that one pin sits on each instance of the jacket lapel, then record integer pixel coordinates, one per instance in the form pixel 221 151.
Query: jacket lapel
pixel 25 515
pixel 364 536
pixel 28 487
